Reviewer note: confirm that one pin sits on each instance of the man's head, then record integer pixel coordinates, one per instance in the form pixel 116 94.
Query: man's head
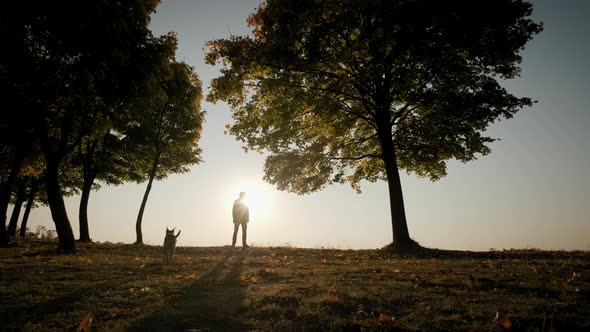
pixel 242 194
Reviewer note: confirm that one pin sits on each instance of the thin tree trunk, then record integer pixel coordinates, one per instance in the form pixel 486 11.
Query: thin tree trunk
pixel 67 242
pixel 31 200
pixel 18 203
pixel 5 192
pixel 139 239
pixel 89 176
pixel 399 225
pixel 83 212
pixel 152 175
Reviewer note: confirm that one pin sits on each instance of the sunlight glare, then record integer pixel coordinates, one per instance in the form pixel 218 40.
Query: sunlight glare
pixel 258 198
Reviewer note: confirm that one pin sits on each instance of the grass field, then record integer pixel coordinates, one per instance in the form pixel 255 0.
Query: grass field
pixel 127 288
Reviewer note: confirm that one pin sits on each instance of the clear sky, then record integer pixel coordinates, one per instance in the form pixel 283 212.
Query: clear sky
pixel 532 191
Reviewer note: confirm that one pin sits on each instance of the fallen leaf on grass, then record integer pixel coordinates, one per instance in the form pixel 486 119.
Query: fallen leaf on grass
pixel 136 292
pixel 244 281
pixel 189 276
pixel 84 325
pixel 253 280
pixel 383 318
pixel 42 259
pixel 266 271
pixel 507 323
pixel 85 260
pixel 333 299
pixel 503 320
pixel 142 266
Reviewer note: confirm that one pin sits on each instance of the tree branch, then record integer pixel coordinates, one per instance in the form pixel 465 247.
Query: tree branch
pixel 368 155
pixel 353 97
pixel 359 141
pixel 348 109
pixel 405 111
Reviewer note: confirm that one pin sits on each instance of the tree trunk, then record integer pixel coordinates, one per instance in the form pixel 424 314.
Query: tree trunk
pixel 5 192
pixel 145 198
pixel 31 200
pixel 86 188
pixel 18 203
pixel 89 176
pixel 141 209
pixel 67 242
pixel 401 235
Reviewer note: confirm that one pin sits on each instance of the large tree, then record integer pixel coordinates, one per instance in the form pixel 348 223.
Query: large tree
pixel 343 91
pixel 20 196
pixel 11 162
pixel 164 137
pixel 76 61
pixel 99 157
pixel 16 128
pixel 33 190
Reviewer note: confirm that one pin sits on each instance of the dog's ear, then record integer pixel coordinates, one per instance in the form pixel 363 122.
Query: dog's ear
pixel 178 233
pixel 167 229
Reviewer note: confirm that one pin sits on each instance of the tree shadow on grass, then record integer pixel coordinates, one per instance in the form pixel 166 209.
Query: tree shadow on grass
pixel 418 251
pixel 22 313
pixel 212 303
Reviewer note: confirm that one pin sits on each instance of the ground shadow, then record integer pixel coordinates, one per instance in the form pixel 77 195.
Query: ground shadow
pixel 29 313
pixel 213 303
pixel 417 251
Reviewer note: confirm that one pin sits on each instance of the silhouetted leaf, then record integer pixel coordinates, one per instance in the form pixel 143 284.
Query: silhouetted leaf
pixel 84 325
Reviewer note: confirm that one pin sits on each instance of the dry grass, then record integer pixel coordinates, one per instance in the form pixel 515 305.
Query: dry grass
pixel 126 288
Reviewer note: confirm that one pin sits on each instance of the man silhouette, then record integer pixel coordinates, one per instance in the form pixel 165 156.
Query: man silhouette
pixel 241 216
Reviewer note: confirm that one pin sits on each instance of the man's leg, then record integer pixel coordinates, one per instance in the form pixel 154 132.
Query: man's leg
pixel 244 233
pixel 233 242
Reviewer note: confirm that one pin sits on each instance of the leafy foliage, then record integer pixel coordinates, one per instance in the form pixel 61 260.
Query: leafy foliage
pixel 344 91
pixel 167 123
pixel 322 85
pixel 163 135
pixel 67 77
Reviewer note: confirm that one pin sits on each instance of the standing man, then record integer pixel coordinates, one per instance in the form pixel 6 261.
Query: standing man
pixel 241 215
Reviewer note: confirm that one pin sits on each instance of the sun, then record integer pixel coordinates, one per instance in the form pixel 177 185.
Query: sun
pixel 258 197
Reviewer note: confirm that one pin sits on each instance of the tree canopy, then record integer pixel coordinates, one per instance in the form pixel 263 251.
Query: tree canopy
pixel 163 137
pixel 344 91
pixel 68 68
